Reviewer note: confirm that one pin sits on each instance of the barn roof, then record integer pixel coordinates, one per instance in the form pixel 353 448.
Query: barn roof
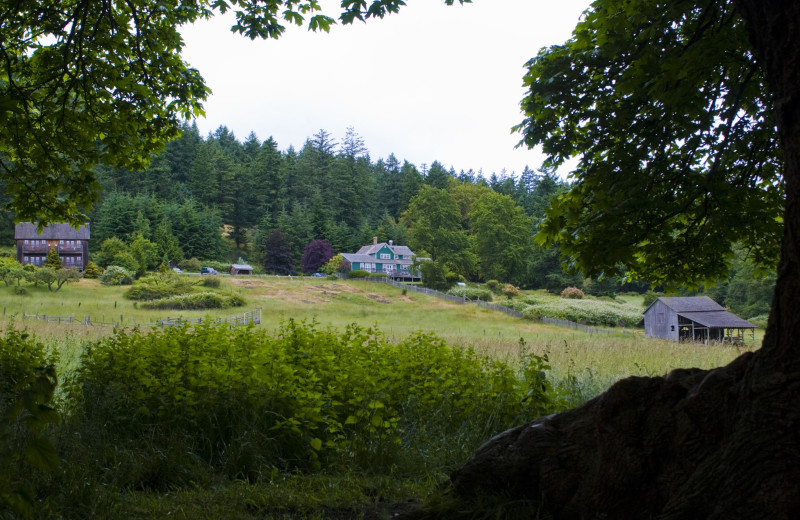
pixel 241 267
pixel 691 303
pixel 718 319
pixel 705 311
pixel 58 231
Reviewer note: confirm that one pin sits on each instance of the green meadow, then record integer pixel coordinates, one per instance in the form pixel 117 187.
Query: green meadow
pixel 350 399
pixel 602 358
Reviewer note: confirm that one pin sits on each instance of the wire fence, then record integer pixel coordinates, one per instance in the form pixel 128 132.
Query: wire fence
pixel 485 305
pixel 244 318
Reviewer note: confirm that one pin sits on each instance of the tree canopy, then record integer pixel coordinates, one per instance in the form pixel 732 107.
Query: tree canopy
pixel 83 83
pixel 670 118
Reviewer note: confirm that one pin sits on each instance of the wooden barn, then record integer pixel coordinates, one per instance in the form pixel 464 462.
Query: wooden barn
pixel 695 318
pixel 72 244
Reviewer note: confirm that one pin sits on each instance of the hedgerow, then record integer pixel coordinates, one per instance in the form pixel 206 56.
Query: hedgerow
pixel 248 403
pixel 196 301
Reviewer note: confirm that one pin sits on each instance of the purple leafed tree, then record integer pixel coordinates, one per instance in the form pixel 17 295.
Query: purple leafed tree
pixel 316 254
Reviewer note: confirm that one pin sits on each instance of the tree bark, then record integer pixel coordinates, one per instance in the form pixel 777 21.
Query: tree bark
pixel 694 444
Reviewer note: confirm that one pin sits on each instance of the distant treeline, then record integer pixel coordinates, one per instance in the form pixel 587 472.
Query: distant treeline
pixel 216 197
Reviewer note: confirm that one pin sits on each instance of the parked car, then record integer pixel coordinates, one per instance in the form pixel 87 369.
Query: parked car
pixel 317 275
pixel 177 270
pixel 208 270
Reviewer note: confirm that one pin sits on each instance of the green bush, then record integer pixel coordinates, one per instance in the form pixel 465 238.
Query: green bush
pixel 190 265
pixel 27 385
pixel 116 275
pixel 246 401
pixel 158 285
pixel 212 282
pixel 92 270
pixel 472 293
pixel 358 273
pixel 494 286
pixel 759 321
pixel 196 301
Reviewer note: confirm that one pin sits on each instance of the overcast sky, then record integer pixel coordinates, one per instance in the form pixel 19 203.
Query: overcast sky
pixel 430 83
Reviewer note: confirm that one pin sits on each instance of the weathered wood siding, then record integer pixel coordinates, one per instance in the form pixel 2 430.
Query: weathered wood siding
pixel 661 322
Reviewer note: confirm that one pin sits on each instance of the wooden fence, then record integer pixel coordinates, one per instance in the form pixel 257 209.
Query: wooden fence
pixel 244 318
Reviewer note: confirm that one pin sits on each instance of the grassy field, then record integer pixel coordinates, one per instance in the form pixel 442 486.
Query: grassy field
pixel 582 365
pixel 602 358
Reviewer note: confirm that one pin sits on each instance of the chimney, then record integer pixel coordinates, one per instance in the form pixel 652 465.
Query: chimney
pixel 374 241
pixel 391 242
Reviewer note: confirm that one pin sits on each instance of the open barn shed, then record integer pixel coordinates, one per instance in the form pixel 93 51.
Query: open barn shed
pixel 694 318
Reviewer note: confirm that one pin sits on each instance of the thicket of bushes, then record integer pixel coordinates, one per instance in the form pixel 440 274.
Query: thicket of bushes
pixel 473 293
pixel 180 407
pixel 195 301
pixel 589 312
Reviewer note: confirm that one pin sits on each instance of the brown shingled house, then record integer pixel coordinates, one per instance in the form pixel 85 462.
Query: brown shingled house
pixel 72 244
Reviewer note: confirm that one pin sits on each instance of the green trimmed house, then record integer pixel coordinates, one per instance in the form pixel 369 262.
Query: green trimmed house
pixel 394 261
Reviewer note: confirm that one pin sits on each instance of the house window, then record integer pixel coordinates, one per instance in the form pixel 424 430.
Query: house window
pixel 26 242
pixel 385 256
pixel 388 267
pixel 79 243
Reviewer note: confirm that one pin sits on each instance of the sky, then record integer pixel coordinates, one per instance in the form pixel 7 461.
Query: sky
pixel 429 83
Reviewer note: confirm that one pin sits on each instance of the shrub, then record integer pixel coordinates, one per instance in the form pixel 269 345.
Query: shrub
pixel 190 265
pixel 116 275
pixel 155 286
pixel 572 293
pixel 196 301
pixel 212 282
pixel 358 273
pixel 494 286
pixel 509 291
pixel 435 275
pixel 332 266
pixel 759 321
pixel 91 270
pixel 27 385
pixel 472 293
pixel 249 401
pixel 127 261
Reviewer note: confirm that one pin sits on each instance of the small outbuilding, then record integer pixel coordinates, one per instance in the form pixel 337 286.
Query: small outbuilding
pixel 241 269
pixel 693 318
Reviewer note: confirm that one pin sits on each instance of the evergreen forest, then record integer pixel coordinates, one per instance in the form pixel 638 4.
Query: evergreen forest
pixel 217 198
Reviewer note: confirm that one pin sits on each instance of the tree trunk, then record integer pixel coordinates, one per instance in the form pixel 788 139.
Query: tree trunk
pixel 723 443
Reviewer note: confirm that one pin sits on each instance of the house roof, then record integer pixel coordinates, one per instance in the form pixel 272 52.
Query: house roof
pixel 58 231
pixel 705 311
pixel 374 248
pixel 242 266
pixel 362 258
